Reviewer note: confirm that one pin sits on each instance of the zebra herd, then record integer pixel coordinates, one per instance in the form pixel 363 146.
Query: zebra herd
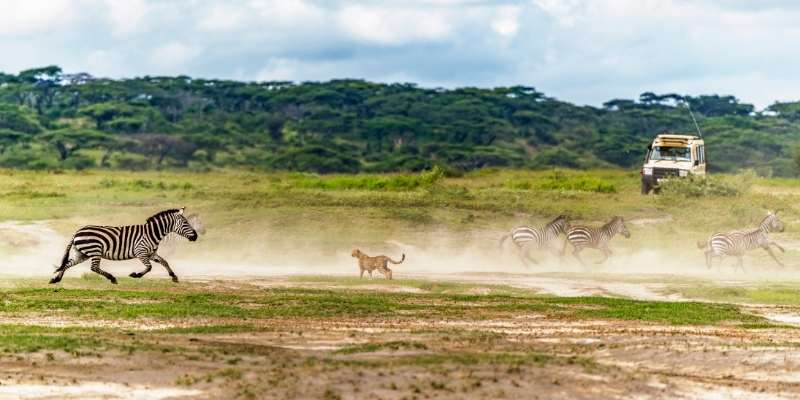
pixel 718 245
pixel 94 243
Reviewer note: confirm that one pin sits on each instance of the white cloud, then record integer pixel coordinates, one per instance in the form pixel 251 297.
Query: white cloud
pixel 394 25
pixel 173 57
pixel 506 21
pixel 126 17
pixel 585 51
pixel 222 17
pixel 20 18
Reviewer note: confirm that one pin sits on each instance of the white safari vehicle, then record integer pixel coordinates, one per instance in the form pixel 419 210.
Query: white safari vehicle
pixel 672 156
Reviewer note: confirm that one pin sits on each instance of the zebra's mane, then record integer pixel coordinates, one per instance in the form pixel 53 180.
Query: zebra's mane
pixel 163 213
pixel 614 221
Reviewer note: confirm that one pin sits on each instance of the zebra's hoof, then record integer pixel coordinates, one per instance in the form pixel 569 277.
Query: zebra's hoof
pixel 54 280
pixel 175 279
pixel 113 280
pixel 135 275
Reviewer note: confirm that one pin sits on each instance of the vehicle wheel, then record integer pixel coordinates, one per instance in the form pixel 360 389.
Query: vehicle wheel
pixel 645 188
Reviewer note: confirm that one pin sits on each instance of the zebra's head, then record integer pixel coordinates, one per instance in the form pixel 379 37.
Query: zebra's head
pixel 772 223
pixel 173 221
pixel 619 225
pixel 183 227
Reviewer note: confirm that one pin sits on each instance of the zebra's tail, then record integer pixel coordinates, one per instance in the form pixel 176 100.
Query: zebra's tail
pixel 702 244
pixel 398 262
pixel 65 259
pixel 503 240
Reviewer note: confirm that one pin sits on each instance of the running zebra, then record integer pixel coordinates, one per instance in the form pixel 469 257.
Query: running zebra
pixel 125 243
pixel 581 237
pixel 737 243
pixel 528 238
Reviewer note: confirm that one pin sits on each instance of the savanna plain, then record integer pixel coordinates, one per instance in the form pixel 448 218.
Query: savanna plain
pixel 270 304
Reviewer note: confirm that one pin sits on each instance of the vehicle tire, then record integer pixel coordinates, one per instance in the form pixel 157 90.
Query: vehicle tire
pixel 645 188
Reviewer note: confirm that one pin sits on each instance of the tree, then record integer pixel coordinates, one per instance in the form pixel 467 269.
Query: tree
pixel 68 141
pixel 159 146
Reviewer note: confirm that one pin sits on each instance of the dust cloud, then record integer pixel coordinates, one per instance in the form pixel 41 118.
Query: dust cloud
pixel 33 249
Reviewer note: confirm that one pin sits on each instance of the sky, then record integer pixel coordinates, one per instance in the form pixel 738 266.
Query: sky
pixel 582 51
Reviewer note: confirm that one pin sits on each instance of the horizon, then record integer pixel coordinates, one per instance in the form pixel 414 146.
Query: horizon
pixel 414 84
pixel 583 52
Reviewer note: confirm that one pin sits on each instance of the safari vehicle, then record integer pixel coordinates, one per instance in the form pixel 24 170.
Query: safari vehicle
pixel 670 156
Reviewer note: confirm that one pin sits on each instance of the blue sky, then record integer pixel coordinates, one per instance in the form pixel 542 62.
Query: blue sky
pixel 584 51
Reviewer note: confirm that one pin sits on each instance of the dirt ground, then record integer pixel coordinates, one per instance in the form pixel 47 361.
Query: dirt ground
pixel 521 353
pixel 517 355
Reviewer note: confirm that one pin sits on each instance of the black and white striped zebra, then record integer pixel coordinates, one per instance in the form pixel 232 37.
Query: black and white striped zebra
pixel 581 237
pixel 737 243
pixel 124 243
pixel 528 238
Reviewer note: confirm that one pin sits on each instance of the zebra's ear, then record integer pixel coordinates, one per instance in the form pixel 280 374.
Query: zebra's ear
pixel 182 209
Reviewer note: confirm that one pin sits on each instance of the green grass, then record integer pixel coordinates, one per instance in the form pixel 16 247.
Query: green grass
pixel 440 301
pixel 373 347
pixel 770 294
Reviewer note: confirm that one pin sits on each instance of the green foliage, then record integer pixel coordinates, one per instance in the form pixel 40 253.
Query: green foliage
pixel 350 126
pixel 694 186
pixel 559 181
pixel 367 182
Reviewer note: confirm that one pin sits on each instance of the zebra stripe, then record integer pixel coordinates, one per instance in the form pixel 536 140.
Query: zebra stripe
pixel 737 243
pixel 527 238
pixel 125 243
pixel 581 237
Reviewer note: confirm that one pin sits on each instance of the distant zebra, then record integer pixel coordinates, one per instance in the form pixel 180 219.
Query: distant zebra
pixel 737 243
pixel 125 243
pixel 528 238
pixel 581 237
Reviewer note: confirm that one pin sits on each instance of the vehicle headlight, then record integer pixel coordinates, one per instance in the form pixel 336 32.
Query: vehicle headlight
pixel 647 171
pixel 683 172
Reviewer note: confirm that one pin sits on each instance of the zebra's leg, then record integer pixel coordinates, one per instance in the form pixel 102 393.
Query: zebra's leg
pixel 771 254
pixel 778 246
pixel 577 253
pixel 362 274
pixel 521 254
pixel 147 267
pixel 527 253
pixel 708 259
pixel 157 258
pixel 96 268
pixel 79 258
pixel 606 253
pixel 740 263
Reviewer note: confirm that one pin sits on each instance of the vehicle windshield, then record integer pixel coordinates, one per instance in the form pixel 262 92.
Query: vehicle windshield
pixel 671 153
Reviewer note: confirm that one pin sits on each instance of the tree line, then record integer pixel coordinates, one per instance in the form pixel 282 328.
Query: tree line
pixel 53 120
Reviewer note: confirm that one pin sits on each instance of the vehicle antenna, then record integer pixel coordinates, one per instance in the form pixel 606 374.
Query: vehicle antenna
pixel 693 120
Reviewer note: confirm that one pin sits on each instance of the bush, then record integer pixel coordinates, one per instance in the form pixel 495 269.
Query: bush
pixel 694 186
pixel 559 181
pixel 367 182
pixel 134 162
pixel 79 162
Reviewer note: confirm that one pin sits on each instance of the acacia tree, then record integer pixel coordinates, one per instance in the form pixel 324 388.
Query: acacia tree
pixel 159 146
pixel 68 141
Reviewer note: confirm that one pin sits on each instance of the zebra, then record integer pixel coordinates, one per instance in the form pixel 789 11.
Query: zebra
pixel 581 237
pixel 527 238
pixel 737 243
pixel 125 243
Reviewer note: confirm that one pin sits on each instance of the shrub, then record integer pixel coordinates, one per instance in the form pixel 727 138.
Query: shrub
pixel 368 182
pixel 694 186
pixel 560 181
